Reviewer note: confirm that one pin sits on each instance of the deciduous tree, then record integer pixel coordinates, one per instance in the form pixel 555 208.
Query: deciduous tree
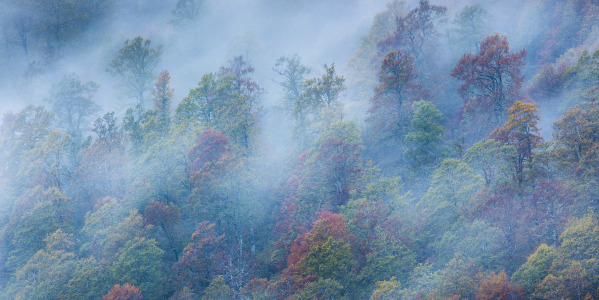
pixel 470 26
pixel 576 133
pixel 164 218
pixel 489 158
pixel 163 97
pixel 46 273
pixel 318 106
pixel 530 274
pixel 140 262
pixel 135 64
pixel 72 103
pixel 492 81
pixel 425 149
pixel 521 132
pixel 187 11
pixel 390 107
pixel 387 290
pixel 201 260
pixel 294 83
pixel 321 289
pixel 497 287
pixel 227 102
pixel 415 30
pixel 549 211
pixel 126 291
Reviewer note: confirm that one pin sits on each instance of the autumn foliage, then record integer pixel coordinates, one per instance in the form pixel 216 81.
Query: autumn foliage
pixel 126 291
pixel 497 287
pixel 208 156
pixel 492 81
pixel 419 172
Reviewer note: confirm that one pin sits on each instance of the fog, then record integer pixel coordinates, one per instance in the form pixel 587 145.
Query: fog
pixel 399 148
pixel 262 31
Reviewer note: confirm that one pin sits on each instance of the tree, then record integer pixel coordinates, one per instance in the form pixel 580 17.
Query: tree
pixel 47 272
pixel 387 290
pixel 326 173
pixel 208 158
pixel 164 218
pixel 470 26
pixel 321 91
pixel 57 22
pixel 108 227
pixel 102 170
pixel 19 28
pixel 140 262
pixel 424 138
pixel 580 239
pixel 323 252
pixel 521 132
pixel 327 225
pixel 163 97
pixel 72 103
pixel 454 182
pixel 425 282
pixel 396 77
pixel 318 106
pixel 126 291
pixel 218 290
pixel 492 81
pixel 586 74
pixel 332 259
pixel 497 287
pixel 164 155
pixel 476 241
pixel 52 162
pixel 576 150
pixel 293 84
pixel 324 178
pixel 25 235
pixel 135 64
pixel 187 11
pixel 573 282
pixel 227 102
pixel 489 158
pixel 255 289
pixel 574 269
pixel 133 121
pixel 108 132
pixel 415 30
pixel 550 211
pixel 391 105
pixel 211 162
pixel 386 249
pixel 201 260
pixel 20 134
pixel 530 274
pixel 89 280
pixel 576 133
pixel 459 278
pixel 506 210
pixel 366 59
pixel 321 289
pixel 335 163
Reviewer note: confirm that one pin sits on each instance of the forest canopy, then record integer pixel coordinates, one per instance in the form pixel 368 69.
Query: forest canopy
pixel 194 149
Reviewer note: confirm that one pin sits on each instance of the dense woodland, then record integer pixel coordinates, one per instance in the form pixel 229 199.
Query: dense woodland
pixel 453 154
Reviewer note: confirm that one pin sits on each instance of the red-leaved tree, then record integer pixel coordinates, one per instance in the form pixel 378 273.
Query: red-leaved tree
pixel 208 157
pixel 126 291
pixel 492 81
pixel 201 261
pixel 389 112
